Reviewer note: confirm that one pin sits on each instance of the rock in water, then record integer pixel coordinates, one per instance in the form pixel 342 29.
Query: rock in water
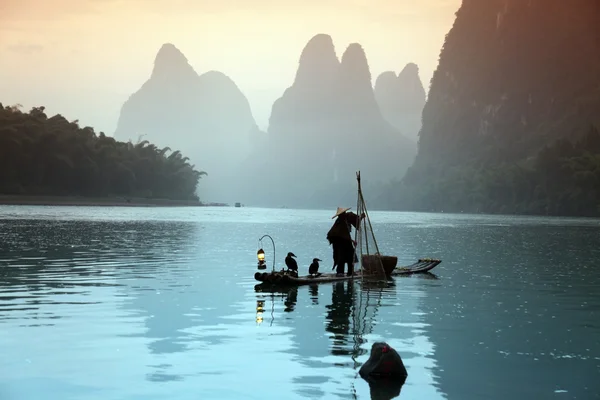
pixel 384 362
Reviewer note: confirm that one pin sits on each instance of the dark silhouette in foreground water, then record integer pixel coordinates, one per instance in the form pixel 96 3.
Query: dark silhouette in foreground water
pixel 384 371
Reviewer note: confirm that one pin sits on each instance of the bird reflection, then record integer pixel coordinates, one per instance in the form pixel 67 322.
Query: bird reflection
pixel 338 316
pixel 291 299
pixel 313 290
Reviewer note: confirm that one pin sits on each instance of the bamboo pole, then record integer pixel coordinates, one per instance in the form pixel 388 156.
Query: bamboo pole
pixel 362 208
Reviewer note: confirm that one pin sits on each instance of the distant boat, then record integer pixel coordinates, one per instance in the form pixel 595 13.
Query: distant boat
pixel 238 204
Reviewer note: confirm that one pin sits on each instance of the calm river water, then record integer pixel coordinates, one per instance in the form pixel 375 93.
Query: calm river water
pixel 160 303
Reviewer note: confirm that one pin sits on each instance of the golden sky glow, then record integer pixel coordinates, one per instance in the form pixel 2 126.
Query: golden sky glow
pixel 83 58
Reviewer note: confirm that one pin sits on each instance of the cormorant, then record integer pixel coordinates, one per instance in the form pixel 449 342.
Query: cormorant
pixel 291 263
pixel 314 267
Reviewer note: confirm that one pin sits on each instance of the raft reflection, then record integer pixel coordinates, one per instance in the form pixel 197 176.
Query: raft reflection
pixel 350 316
pixel 289 295
pixel 338 316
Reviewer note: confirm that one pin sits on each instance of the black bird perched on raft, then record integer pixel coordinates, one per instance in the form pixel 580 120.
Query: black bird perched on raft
pixel 291 263
pixel 314 267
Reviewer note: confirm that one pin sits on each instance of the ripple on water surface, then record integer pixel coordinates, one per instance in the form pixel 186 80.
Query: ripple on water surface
pixel 133 303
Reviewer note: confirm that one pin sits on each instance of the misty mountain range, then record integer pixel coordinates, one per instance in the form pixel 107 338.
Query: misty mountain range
pixel 326 125
pixel 510 125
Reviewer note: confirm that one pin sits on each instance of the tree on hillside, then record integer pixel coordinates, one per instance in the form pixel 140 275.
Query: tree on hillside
pixel 562 179
pixel 52 156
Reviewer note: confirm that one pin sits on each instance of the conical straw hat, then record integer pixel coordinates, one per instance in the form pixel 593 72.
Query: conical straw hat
pixel 339 211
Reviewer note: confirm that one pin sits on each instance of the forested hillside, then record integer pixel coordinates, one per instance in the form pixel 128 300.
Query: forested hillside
pixel 509 124
pixel 52 156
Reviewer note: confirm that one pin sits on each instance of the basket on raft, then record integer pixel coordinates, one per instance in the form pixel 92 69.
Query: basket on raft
pixel 372 266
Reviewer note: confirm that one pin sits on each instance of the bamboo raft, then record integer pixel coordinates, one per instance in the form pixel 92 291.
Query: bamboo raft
pixel 373 265
pixel 288 278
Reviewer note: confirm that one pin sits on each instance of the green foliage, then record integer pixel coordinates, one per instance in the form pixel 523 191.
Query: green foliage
pixel 563 179
pixel 52 156
pixel 513 77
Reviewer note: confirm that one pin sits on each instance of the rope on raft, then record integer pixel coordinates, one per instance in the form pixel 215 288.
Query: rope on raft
pixel 361 237
pixel 365 229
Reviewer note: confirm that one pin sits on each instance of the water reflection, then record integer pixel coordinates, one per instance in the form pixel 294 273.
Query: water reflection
pixel 313 289
pixel 162 309
pixel 350 320
pixel 338 316
pixel 44 261
pixel 527 314
pixel 385 389
pixel 287 295
pixel 291 299
pixel 54 271
pixel 154 298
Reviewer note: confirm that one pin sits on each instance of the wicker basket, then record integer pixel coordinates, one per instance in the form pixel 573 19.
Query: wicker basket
pixel 372 266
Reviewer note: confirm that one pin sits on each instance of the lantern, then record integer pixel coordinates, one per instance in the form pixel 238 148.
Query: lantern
pixel 260 254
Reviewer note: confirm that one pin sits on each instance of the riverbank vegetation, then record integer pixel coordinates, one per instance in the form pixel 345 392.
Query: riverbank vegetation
pixel 562 179
pixel 50 156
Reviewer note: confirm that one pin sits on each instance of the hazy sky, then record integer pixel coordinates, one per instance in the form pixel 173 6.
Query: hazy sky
pixel 83 58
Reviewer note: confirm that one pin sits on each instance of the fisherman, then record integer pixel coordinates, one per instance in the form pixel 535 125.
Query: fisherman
pixel 339 237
